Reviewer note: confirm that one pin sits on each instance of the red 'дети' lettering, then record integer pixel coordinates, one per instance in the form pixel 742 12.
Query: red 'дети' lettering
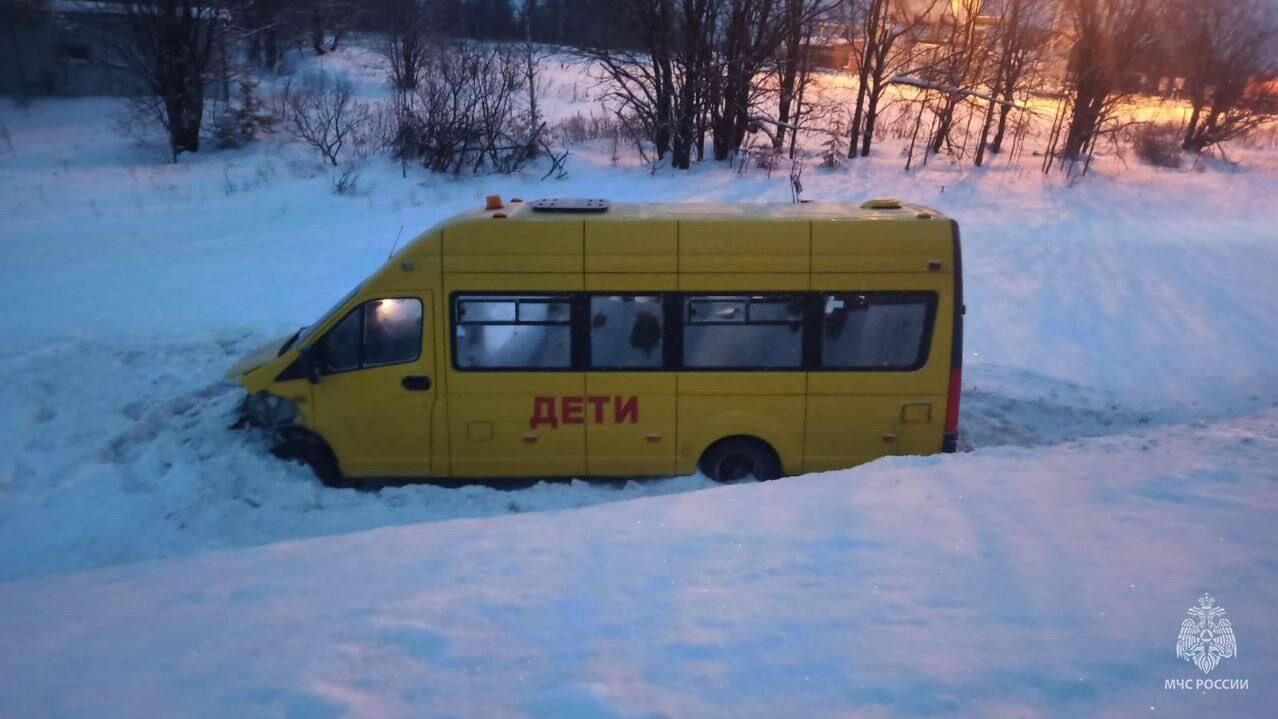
pixel 572 410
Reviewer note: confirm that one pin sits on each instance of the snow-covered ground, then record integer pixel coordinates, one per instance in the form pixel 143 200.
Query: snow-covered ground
pixel 1003 583
pixel 1120 387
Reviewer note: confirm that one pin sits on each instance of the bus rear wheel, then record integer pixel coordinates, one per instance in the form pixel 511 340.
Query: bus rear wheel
pixel 736 458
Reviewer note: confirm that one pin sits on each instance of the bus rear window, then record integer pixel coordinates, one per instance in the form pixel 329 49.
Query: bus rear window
pixel 876 330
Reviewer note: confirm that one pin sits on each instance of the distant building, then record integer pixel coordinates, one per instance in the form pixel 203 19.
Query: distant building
pixel 65 47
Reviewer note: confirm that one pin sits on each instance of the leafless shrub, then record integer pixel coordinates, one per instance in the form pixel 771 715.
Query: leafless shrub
pixel 345 181
pixel 233 182
pixel 465 113
pixel 322 112
pixel 557 157
pixel 1158 144
pixel 577 129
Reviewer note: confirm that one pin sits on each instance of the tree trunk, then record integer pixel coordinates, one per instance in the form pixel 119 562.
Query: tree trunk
pixel 871 118
pixel 945 120
pixel 1191 128
pixel 1089 101
pixel 789 67
pixel 664 106
pixel 996 146
pixel 184 111
pixel 985 132
pixel 855 134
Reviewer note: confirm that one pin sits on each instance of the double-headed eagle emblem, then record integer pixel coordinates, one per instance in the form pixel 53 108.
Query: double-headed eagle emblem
pixel 1206 637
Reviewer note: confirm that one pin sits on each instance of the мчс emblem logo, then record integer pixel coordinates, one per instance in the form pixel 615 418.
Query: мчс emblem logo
pixel 1206 637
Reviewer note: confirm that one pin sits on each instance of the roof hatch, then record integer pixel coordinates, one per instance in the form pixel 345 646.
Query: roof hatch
pixel 569 204
pixel 881 204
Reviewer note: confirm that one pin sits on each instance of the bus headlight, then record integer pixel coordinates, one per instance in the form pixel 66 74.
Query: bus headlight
pixel 267 410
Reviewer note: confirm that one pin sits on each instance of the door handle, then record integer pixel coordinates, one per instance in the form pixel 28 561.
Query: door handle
pixel 416 383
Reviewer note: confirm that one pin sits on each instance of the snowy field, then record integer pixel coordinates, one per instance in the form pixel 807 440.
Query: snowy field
pixel 1120 403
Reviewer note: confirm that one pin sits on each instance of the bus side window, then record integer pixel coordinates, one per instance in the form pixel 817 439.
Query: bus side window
pixel 876 330
pixel 625 332
pixel 743 332
pixel 392 331
pixel 513 332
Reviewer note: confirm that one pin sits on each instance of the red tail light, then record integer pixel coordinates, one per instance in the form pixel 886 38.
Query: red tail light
pixel 952 407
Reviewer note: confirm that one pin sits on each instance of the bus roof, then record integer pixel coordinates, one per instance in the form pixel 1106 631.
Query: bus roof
pixel 630 211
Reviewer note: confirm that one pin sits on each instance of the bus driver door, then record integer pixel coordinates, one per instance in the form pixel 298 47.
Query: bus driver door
pixel 376 388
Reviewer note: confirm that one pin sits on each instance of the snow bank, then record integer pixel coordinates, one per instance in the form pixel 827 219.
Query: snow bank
pixel 1009 582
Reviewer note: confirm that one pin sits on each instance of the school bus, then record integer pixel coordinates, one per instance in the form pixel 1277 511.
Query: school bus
pixel 583 338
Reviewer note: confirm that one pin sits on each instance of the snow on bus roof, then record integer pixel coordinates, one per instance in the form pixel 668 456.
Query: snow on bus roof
pixel 603 210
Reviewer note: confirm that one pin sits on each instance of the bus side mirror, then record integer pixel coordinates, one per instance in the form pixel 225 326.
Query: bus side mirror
pixel 311 359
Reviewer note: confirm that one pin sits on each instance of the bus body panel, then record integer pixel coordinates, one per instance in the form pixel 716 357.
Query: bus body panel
pixel 706 419
pixel 745 245
pixel 640 442
pixel 499 421
pixel 879 246
pixel 632 247
pixel 497 245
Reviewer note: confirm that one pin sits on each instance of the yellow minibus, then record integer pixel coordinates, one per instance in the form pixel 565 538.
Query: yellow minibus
pixel 583 338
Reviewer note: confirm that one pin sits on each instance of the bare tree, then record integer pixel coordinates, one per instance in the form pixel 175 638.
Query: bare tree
pixel 663 91
pixel 322 112
pixel 175 47
pixel 1109 35
pixel 263 25
pixel 887 32
pixel 959 66
pixel 408 29
pixel 327 21
pixel 752 33
pixel 533 56
pixel 695 70
pixel 1229 50
pixel 1020 40
pixel 803 19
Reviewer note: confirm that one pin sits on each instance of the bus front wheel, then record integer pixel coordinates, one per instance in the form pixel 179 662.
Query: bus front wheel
pixel 313 452
pixel 736 458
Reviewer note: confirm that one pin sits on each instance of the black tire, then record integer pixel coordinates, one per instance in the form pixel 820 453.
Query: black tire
pixel 314 453
pixel 734 459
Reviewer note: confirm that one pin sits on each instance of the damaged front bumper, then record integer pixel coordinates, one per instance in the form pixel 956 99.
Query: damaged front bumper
pixel 266 410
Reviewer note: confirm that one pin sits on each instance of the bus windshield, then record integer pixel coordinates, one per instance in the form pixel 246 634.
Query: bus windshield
pixel 306 331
